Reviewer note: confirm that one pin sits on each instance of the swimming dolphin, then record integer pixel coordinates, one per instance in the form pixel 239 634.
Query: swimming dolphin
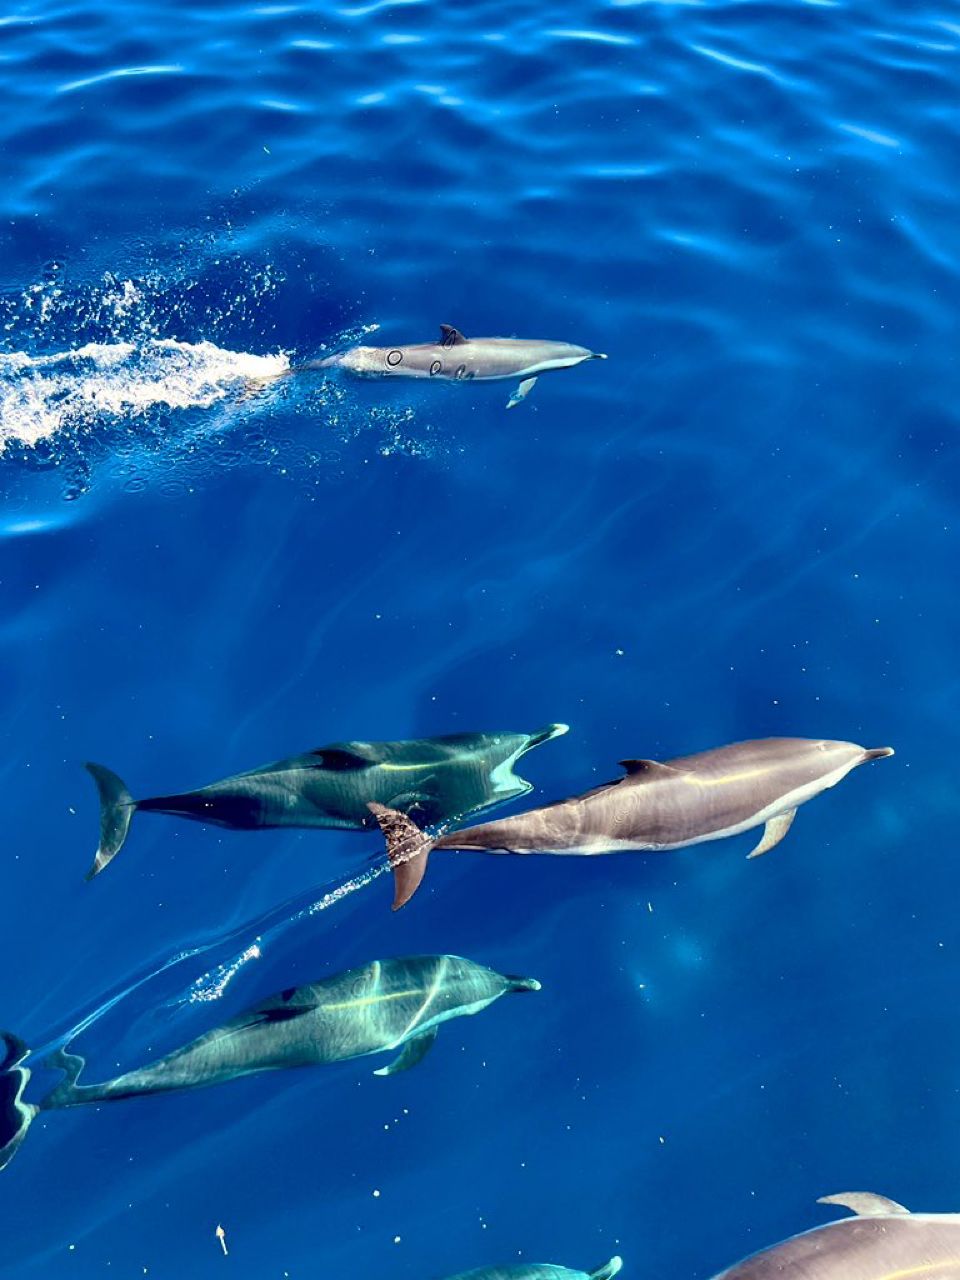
pixel 686 801
pixel 454 358
pixel 884 1241
pixel 435 778
pixel 385 1005
pixel 540 1271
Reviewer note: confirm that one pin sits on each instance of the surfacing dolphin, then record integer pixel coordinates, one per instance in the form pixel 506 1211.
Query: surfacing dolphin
pixel 454 358
pixel 540 1271
pixel 884 1241
pixel 686 801
pixel 437 779
pixel 385 1005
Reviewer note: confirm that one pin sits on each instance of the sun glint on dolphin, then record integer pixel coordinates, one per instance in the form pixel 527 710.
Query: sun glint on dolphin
pixel 385 1005
pixel 438 779
pixel 454 358
pixel 686 801
pixel 884 1241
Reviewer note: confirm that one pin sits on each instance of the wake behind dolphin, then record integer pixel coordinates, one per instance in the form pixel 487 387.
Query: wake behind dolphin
pixel 384 1005
pixel 686 801
pixel 454 358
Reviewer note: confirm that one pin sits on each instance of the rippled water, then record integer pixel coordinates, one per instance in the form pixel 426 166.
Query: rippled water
pixel 744 523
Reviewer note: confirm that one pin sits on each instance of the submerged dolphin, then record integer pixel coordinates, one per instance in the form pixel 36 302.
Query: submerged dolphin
pixel 436 778
pixel 656 806
pixel 540 1271
pixel 884 1241
pixel 388 1004
pixel 454 358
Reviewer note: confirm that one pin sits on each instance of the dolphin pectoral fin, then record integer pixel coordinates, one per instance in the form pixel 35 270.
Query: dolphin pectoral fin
pixel 865 1204
pixel 413 1051
pixel 773 833
pixel 608 1270
pixel 521 393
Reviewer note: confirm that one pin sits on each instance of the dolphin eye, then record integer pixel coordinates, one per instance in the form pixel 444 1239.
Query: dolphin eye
pixel 461 371
pixel 435 368
pixel 394 358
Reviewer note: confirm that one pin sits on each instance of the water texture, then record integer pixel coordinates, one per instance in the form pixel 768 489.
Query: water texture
pixel 743 523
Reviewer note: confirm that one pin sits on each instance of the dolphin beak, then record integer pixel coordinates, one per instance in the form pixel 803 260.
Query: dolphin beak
pixel 599 355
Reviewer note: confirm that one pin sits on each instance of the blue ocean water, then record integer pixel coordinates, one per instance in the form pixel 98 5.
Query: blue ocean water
pixel 743 524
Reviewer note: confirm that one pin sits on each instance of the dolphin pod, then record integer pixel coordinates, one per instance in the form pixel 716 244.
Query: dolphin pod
pixel 686 801
pixel 454 358
pixel 384 1005
pixel 540 1271
pixel 884 1241
pixel 436 778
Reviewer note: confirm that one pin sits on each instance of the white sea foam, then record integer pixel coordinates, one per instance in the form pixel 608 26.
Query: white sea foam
pixel 41 395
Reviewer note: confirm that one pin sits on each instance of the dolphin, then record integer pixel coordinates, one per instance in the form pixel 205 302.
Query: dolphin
pixel 384 1005
pixel 686 801
pixel 884 1241
pixel 540 1271
pixel 454 358
pixel 435 778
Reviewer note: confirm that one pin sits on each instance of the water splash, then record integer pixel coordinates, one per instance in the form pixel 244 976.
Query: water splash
pixel 43 395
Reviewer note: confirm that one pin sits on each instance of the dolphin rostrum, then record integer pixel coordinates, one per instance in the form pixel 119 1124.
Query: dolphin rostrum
pixel 884 1241
pixel 540 1271
pixel 655 806
pixel 454 358
pixel 437 779
pixel 384 1005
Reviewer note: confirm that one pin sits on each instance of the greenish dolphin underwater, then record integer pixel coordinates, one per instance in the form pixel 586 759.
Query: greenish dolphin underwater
pixel 379 1007
pixel 884 1241
pixel 689 800
pixel 454 358
pixel 540 1271
pixel 438 779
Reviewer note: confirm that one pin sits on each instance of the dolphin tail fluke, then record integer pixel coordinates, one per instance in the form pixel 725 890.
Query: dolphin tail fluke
pixel 608 1269
pixel 117 807
pixel 408 849
pixel 68 1093
pixel 16 1116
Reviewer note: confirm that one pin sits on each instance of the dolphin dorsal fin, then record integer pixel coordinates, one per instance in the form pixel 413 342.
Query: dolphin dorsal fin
pixel 339 759
pixel 650 767
pixel 449 336
pixel 865 1204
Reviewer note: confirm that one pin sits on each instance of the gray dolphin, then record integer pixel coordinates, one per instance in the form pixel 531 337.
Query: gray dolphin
pixel 435 778
pixel 540 1271
pixel 686 801
pixel 454 358
pixel 384 1005
pixel 884 1241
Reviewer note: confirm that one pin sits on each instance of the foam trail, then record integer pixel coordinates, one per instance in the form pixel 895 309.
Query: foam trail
pixel 213 983
pixel 43 395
